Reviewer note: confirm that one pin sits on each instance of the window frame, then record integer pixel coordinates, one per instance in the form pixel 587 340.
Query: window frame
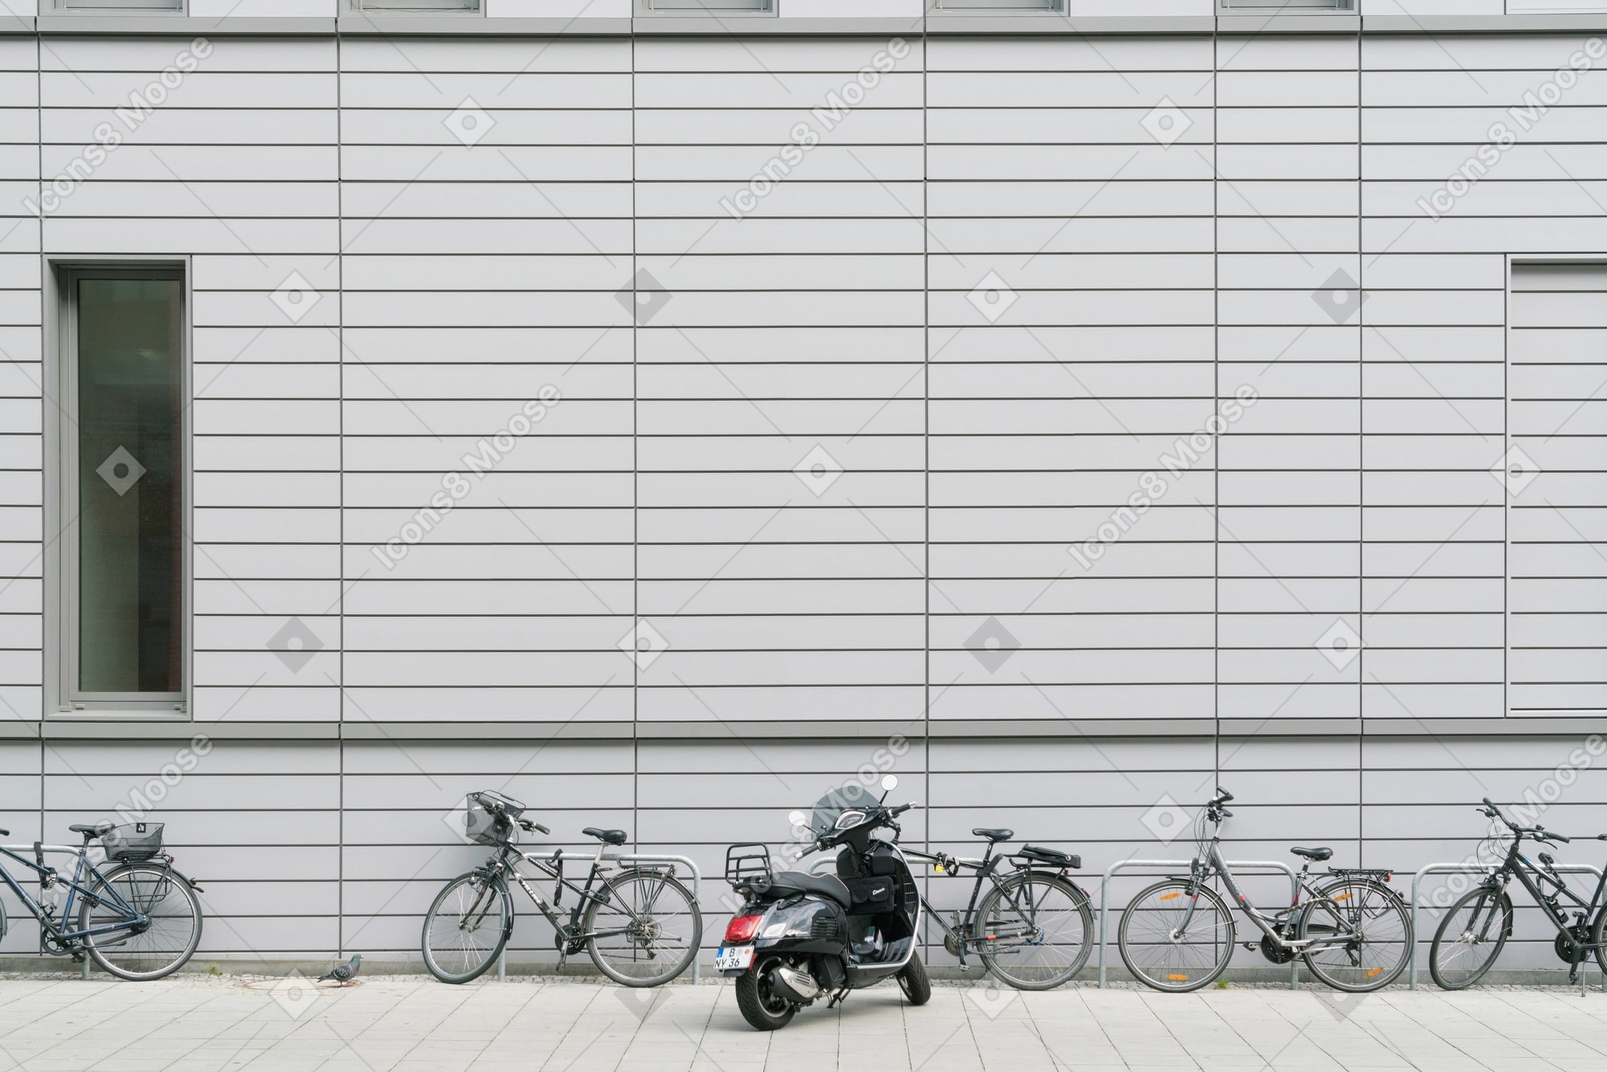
pixel 1295 8
pixel 692 9
pixel 121 7
pixel 61 579
pixel 997 7
pixel 417 8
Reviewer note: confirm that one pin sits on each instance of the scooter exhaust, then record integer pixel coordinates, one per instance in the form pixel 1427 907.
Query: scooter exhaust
pixel 797 985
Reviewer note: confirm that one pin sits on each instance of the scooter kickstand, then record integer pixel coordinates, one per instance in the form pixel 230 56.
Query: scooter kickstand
pixel 837 998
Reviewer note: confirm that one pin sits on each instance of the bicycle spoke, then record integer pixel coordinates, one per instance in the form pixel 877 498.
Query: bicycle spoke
pixel 465 929
pixel 646 931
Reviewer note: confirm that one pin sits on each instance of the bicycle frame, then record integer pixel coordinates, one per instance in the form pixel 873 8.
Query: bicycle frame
pixel 1527 872
pixel 75 887
pixel 986 868
pixel 1201 872
pixel 597 888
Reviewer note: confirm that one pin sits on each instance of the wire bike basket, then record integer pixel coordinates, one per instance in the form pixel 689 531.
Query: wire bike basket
pixel 133 842
pixel 1170 867
pixel 1478 869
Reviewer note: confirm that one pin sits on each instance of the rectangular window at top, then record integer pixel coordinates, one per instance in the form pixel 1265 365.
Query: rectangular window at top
pixel 120 7
pixel 405 7
pixel 998 5
pixel 1283 7
pixel 714 7
pixel 122 490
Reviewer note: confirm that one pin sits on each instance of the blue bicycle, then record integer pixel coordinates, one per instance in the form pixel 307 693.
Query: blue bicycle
pixel 132 914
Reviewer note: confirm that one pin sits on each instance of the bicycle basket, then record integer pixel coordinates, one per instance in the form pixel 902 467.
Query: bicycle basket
pixel 488 817
pixel 133 841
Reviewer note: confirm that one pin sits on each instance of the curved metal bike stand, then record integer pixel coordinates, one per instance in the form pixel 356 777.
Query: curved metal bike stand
pixel 70 850
pixel 1171 867
pixel 1474 869
pixel 551 856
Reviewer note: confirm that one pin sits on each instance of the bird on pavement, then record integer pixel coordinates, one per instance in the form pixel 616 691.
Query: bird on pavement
pixel 344 973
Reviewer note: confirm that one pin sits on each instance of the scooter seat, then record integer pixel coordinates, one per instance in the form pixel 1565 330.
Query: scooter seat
pixel 802 882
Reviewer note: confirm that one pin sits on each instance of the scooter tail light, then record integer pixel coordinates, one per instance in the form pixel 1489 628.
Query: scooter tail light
pixel 741 928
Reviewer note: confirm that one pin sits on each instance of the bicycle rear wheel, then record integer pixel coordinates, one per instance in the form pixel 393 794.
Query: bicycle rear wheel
pixel 1470 938
pixel 1378 931
pixel 646 932
pixel 160 947
pixel 1161 951
pixel 1043 931
pixel 467 926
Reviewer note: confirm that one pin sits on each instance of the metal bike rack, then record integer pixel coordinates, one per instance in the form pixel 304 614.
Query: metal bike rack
pixel 70 850
pixel 1475 869
pixel 1172 865
pixel 552 855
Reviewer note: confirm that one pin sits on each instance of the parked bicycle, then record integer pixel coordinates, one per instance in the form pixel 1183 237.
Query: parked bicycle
pixel 1352 930
pixel 1473 932
pixel 133 914
pixel 1032 928
pixel 640 926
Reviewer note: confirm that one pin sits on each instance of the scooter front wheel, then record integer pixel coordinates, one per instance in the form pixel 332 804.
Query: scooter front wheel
pixel 761 1006
pixel 914 982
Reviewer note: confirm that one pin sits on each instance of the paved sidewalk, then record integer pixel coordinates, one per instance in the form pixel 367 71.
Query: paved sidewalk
pixel 396 1024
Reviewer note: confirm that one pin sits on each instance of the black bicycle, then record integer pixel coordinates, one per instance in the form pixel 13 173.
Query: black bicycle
pixel 1478 925
pixel 135 916
pixel 1032 927
pixel 640 926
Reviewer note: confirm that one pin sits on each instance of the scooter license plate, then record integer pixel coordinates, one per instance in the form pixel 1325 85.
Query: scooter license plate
pixel 733 958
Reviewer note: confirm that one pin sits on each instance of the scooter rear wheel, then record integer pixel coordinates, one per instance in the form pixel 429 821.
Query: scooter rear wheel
pixel 764 1009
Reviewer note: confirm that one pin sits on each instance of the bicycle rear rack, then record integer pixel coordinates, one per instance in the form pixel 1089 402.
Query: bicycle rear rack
pixel 1485 869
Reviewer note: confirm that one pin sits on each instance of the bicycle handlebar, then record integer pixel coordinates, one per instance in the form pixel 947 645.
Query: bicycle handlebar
pixel 5 833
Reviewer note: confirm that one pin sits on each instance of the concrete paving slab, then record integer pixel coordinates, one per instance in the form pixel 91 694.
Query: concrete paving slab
pixel 410 1024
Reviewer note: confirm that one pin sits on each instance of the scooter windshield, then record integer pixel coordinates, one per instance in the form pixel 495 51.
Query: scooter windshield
pixel 849 797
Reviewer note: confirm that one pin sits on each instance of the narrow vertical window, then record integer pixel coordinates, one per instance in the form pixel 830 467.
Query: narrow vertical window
pixel 122 492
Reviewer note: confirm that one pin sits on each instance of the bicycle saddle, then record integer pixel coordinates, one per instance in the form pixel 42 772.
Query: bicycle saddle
pixel 1317 855
pixel 91 829
pixel 607 837
pixel 992 834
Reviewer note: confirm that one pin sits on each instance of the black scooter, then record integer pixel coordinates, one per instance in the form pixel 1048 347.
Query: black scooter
pixel 800 936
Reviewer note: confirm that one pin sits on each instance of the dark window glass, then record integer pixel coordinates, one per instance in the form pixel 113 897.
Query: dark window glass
pixel 130 486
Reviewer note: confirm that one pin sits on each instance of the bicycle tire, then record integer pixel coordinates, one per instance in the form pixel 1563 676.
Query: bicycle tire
pixel 1364 905
pixel 1598 936
pixel 167 942
pixel 990 910
pixel 468 959
pixel 676 923
pixel 1442 961
pixel 1176 978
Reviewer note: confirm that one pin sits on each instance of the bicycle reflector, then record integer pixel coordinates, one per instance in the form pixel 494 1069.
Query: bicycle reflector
pixel 741 928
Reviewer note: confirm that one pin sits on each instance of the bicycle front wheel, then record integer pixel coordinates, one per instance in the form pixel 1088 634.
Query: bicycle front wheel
pixel 646 932
pixel 1470 938
pixel 1376 930
pixel 1036 931
pixel 1167 946
pixel 155 949
pixel 466 927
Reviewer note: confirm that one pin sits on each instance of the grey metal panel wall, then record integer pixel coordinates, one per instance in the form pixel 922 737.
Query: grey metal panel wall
pixel 449 284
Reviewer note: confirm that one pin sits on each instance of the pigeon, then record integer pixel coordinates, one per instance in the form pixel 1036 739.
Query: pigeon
pixel 344 973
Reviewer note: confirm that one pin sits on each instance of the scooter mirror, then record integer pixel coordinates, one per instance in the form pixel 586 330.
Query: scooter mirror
pixel 889 783
pixel 797 818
